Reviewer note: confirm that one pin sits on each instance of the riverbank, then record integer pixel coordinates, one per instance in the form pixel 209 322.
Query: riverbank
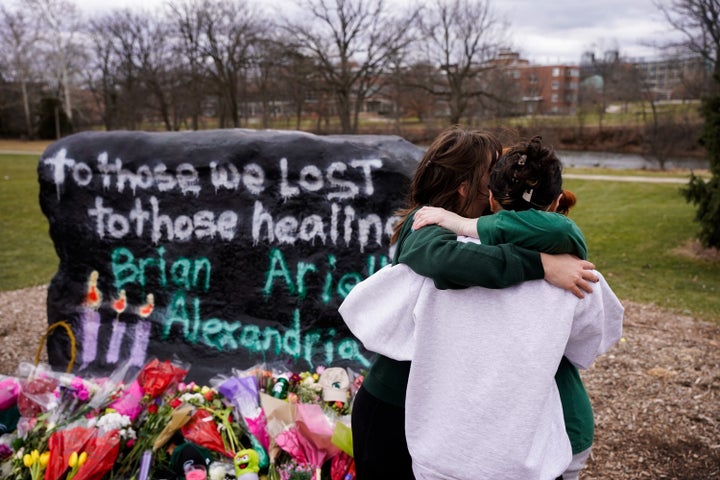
pixel 677 140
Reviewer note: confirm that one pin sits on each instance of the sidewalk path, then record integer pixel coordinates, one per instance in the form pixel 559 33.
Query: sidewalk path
pixel 626 178
pixel 21 152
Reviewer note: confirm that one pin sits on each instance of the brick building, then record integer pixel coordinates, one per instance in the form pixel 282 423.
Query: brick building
pixel 542 89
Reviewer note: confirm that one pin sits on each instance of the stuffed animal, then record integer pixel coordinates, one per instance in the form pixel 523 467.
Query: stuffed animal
pixel 247 464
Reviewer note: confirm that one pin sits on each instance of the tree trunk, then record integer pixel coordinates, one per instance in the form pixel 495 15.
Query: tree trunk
pixel 66 88
pixel 343 106
pixel 26 108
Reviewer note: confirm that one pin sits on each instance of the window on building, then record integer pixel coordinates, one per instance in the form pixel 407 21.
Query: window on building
pixel 556 72
pixel 516 74
pixel 554 97
pixel 555 85
pixel 574 72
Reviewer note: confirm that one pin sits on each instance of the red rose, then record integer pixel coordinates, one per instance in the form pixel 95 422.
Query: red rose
pixel 156 377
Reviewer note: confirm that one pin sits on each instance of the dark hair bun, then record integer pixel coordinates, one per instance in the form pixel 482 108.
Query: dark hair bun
pixel 527 176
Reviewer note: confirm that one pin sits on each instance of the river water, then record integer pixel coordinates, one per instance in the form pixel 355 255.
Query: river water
pixel 621 161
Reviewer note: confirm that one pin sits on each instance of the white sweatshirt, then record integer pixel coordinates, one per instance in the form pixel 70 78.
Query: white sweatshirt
pixel 482 402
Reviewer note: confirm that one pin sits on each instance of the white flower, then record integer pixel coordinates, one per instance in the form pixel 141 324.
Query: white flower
pixel 192 398
pixel 112 421
pixel 219 470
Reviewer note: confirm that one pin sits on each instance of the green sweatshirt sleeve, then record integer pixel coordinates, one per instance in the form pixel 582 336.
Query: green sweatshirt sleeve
pixel 533 229
pixel 436 253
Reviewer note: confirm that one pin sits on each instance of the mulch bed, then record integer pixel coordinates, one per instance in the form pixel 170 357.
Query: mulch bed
pixel 656 395
pixel 656 398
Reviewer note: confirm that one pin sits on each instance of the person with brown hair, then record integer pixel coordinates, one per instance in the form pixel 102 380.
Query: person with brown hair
pixel 453 174
pixel 528 179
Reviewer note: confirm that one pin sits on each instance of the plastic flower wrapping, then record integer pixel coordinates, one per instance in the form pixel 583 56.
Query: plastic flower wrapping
pixel 260 423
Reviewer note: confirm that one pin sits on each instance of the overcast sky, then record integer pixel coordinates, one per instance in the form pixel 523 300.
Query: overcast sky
pixel 546 31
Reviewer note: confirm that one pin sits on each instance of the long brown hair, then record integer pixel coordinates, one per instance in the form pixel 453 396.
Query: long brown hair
pixel 456 155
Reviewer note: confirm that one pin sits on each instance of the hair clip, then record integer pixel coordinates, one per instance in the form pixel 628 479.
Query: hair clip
pixel 527 196
pixel 522 160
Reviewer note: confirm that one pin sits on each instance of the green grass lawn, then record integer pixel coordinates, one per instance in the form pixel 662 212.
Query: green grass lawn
pixel 633 232
pixel 27 256
pixel 632 229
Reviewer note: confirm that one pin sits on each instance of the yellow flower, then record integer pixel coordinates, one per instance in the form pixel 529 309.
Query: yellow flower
pixel 28 460
pixel 82 459
pixel 204 390
pixel 73 460
pixel 35 455
pixel 44 459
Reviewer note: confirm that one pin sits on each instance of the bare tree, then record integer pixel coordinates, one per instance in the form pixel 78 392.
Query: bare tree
pixel 413 89
pixel 602 77
pixel 352 43
pixel 157 65
pixel 273 62
pixel 18 35
pixel 298 79
pixel 188 21
pixel 117 37
pixel 231 29
pixel 60 20
pixel 459 37
pixel 102 75
pixel 699 22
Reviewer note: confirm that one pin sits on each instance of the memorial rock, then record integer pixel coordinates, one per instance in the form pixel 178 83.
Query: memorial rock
pixel 221 249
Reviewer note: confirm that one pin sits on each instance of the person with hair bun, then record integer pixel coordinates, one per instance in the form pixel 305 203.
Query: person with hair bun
pixel 528 178
pixel 453 173
pixel 481 399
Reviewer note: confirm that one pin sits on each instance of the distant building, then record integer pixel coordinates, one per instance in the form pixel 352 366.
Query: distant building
pixel 541 89
pixel 675 78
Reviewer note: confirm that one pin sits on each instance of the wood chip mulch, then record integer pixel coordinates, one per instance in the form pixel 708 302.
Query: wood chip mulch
pixel 656 398
pixel 656 394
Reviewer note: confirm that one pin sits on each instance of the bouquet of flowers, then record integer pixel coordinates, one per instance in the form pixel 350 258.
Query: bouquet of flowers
pixel 127 426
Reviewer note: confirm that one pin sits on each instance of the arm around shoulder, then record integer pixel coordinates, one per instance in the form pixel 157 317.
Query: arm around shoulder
pixel 533 229
pixel 436 253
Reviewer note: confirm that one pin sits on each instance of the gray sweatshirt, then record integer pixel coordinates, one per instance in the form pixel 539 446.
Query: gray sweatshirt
pixel 482 401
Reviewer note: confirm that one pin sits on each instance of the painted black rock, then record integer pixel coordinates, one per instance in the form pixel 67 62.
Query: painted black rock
pixel 220 249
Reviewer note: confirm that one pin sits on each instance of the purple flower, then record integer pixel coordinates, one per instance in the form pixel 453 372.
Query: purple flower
pixel 5 451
